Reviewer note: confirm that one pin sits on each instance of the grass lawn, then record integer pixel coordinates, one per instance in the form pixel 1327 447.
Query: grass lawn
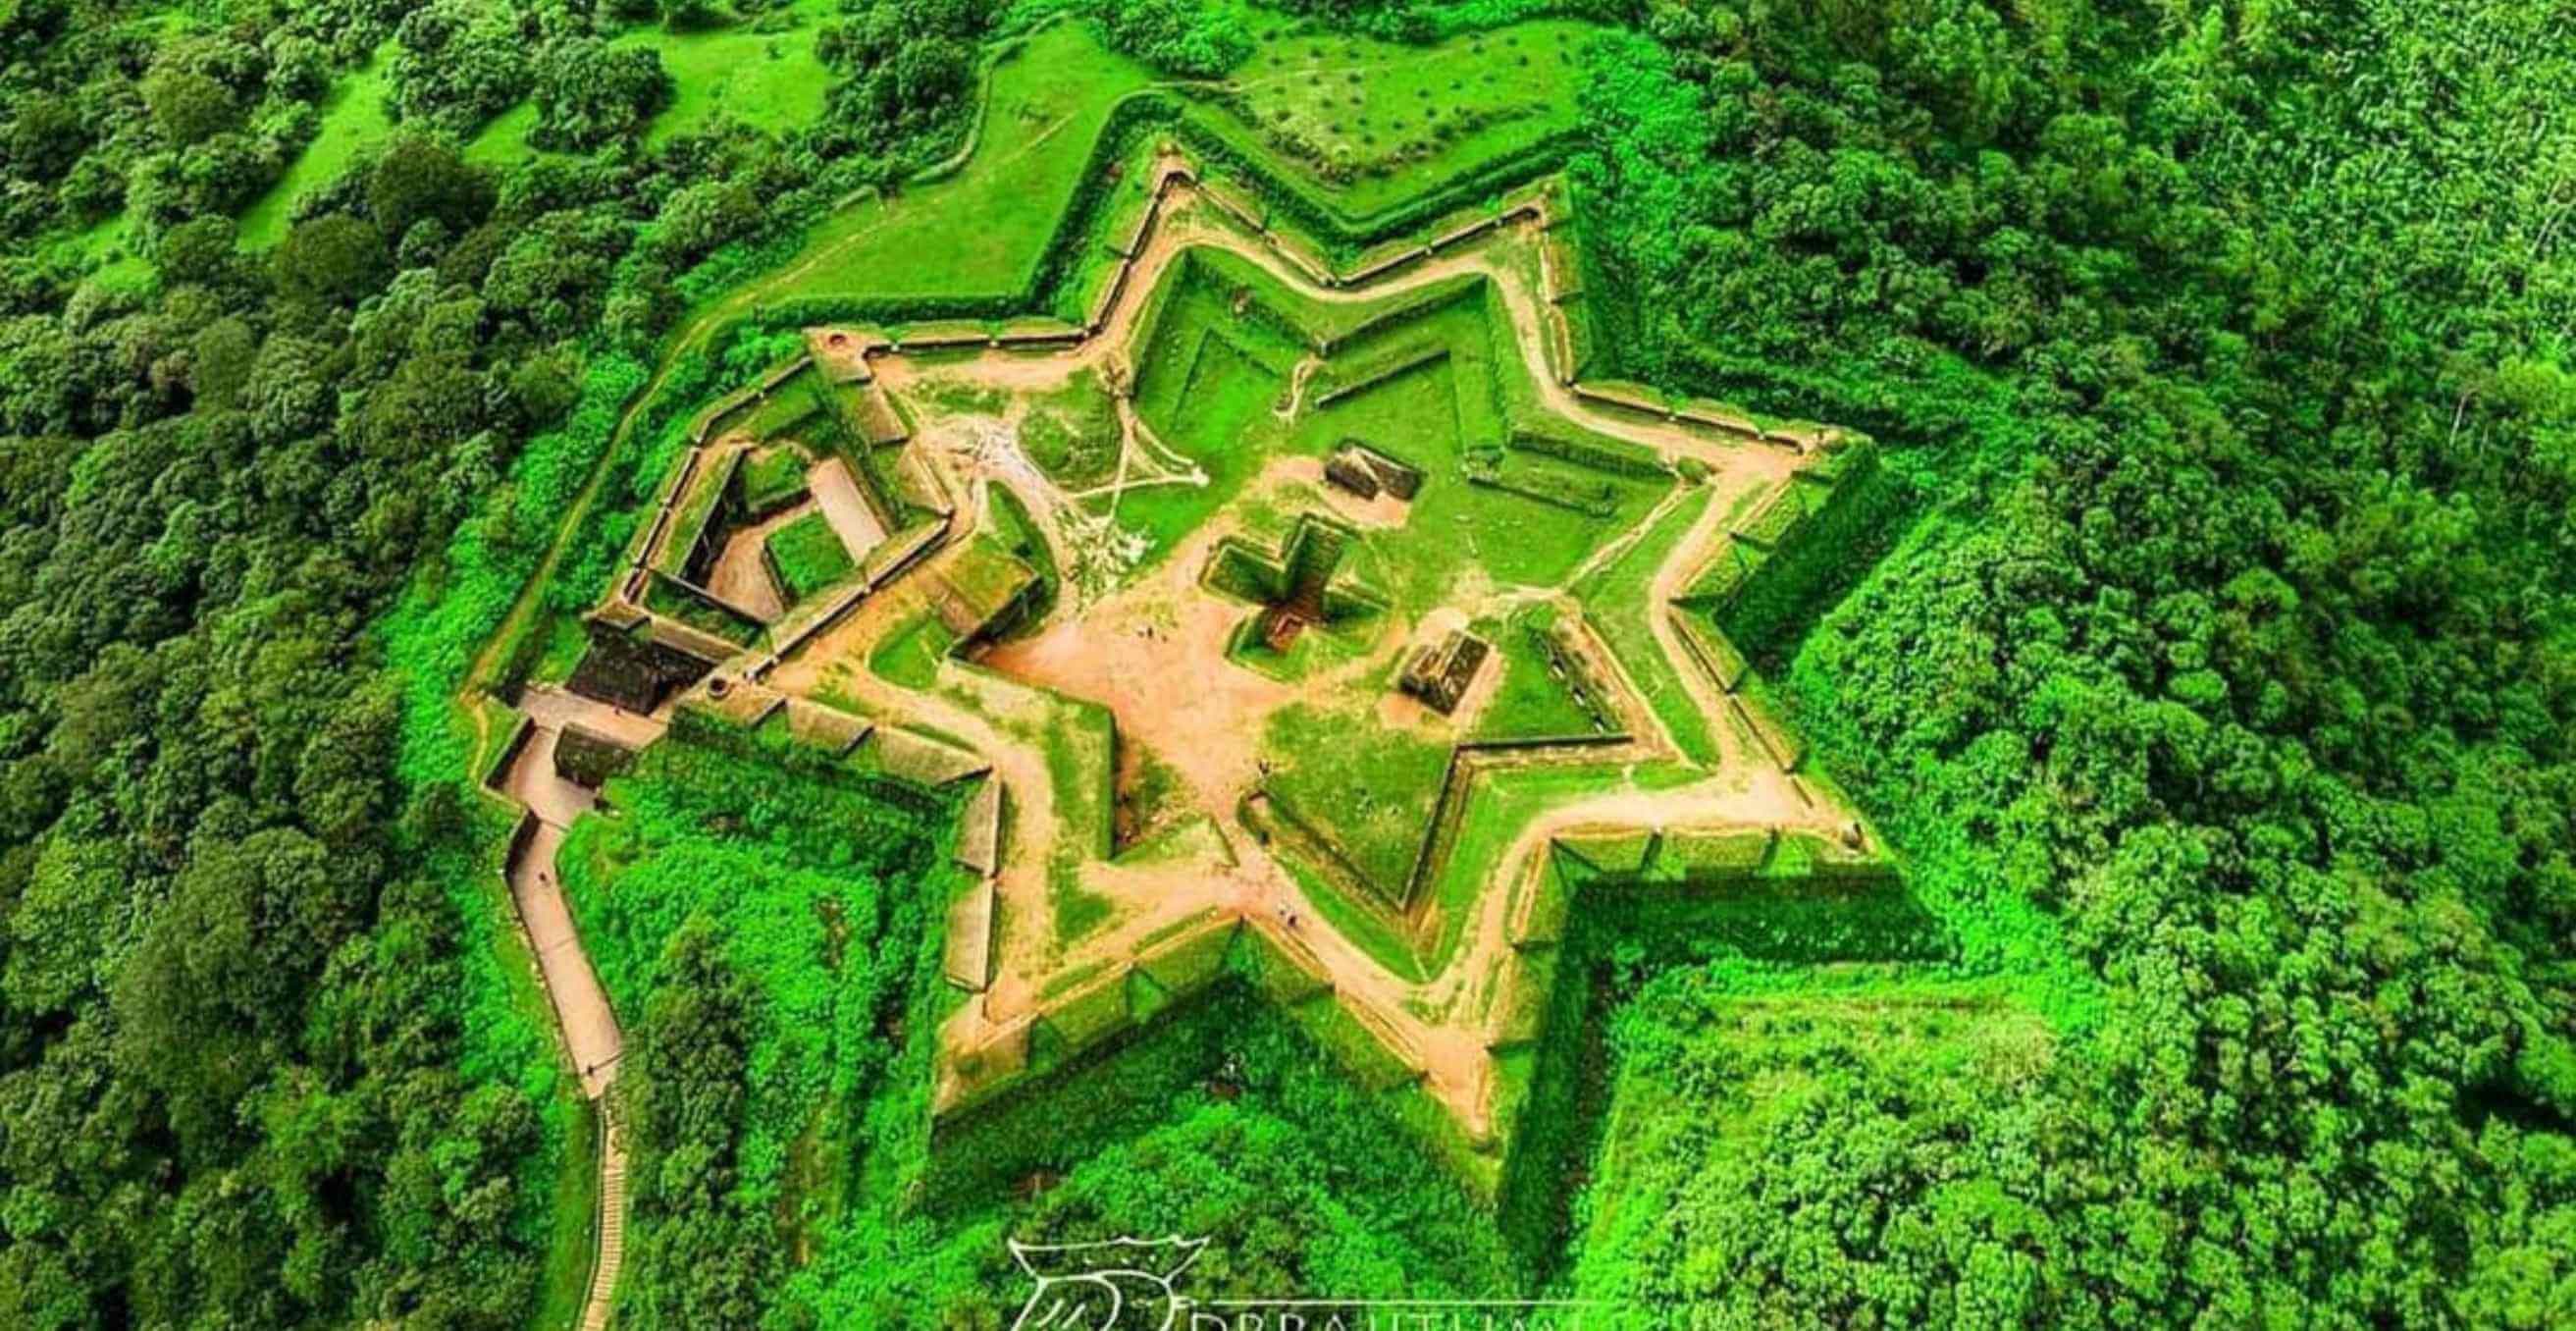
pixel 353 118
pixel 1199 389
pixel 1366 123
pixel 1434 416
pixel 1369 787
pixel 505 139
pixel 1505 802
pixel 1366 923
pixel 1081 741
pixel 808 555
pixel 1530 703
pixel 1614 598
pixel 1073 435
pixel 772 478
pixel 794 404
pixel 1121 213
pixel 1050 101
pixel 1073 911
pixel 771 81
pixel 1219 418
pixel 910 656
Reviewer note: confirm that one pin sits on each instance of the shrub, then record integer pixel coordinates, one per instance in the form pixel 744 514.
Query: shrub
pixel 807 555
pixel 771 480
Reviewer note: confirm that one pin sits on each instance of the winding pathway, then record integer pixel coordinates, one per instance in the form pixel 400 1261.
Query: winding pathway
pixel 590 1031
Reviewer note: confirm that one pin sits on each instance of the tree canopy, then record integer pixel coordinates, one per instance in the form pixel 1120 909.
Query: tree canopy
pixel 2215 686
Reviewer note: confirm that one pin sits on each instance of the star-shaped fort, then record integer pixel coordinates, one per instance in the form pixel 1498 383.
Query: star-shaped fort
pixel 1313 627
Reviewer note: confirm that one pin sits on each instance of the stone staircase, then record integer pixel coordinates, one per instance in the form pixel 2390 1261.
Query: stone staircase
pixel 612 1227
pixel 1310 570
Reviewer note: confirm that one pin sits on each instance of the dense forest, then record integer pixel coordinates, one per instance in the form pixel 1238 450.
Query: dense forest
pixel 239 1078
pixel 2230 349
pixel 2217 689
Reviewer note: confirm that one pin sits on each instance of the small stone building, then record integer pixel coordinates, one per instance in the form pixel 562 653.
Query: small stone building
pixel 624 669
pixel 587 758
pixel 1349 473
pixel 1366 472
pixel 985 590
pixel 1439 674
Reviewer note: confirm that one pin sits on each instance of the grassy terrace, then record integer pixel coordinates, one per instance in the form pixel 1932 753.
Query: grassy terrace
pixel 1208 378
pixel 772 478
pixel 1049 101
pixel 1529 703
pixel 1364 108
pixel 1371 119
pixel 1614 599
pixel 1371 785
pixel 808 555
pixel 1430 375
pixel 1073 434
pixel 911 655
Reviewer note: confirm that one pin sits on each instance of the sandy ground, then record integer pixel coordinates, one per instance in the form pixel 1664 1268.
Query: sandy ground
pixel 1154 654
pixel 741 574
pixel 836 492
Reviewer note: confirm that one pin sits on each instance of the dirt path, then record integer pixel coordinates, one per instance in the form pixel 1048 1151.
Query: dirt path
pixel 1183 227
pixel 589 1026
pixel 591 1033
pixel 581 1006
pixel 1671 579
pixel 836 661
pixel 1153 654
pixel 1234 878
pixel 679 349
